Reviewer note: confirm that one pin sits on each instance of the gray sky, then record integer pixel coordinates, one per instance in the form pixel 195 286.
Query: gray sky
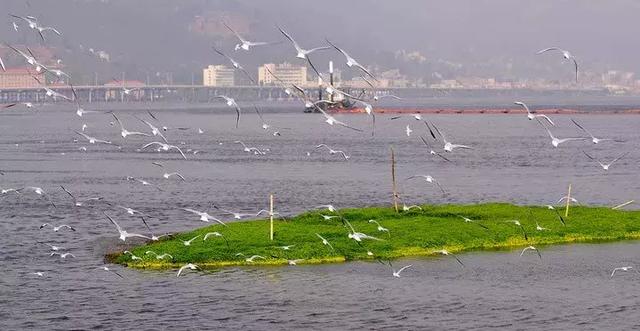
pixel 486 36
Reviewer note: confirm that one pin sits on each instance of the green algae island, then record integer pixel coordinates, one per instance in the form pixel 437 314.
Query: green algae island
pixel 418 232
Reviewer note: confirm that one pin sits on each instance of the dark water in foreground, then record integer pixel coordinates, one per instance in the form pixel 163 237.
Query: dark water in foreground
pixel 512 160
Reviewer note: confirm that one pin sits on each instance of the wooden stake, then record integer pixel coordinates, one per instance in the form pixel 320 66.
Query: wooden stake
pixel 271 216
pixel 393 180
pixel 566 212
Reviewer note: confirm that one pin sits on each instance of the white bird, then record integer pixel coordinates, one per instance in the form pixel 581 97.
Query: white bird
pixel 56 248
pixel 62 255
pixel 235 215
pixel 189 266
pixel 378 97
pixel 566 54
pixel 351 62
pixel 447 253
pixel 253 257
pixel 417 117
pixel 468 220
pixel 332 151
pixel 408 131
pixel 244 44
pixel 167 175
pixel 533 249
pixel 93 140
pixel 231 102
pixel 627 268
pixel 593 138
pixel 428 179
pixel 133 257
pixel 449 146
pixel 188 242
pixel 154 130
pixel 328 217
pixel 605 166
pixel 531 115
pixel 518 224
pixel 330 208
pixel 431 151
pixel 59 227
pixel 408 208
pixel 123 233
pixel 235 65
pixel 124 132
pixel 301 52
pixel 358 236
pixel 105 268
pixel 205 217
pixel 164 147
pixel 38 273
pixel 42 29
pixel 324 241
pixel 215 234
pixel 159 257
pixel 143 182
pixel 397 273
pixel 294 262
pixel 556 142
pixel 15 26
pixel 539 228
pixel 254 150
pixel 380 227
pixel 76 201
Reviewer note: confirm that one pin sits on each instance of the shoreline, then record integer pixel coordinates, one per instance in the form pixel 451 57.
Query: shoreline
pixel 411 234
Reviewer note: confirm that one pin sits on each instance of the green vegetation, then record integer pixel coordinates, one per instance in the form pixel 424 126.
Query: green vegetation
pixel 413 233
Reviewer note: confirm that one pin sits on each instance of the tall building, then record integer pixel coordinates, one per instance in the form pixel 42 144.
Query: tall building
pixel 218 75
pixel 20 78
pixel 288 73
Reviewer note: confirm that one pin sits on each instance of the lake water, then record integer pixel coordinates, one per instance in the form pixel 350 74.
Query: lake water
pixel 512 160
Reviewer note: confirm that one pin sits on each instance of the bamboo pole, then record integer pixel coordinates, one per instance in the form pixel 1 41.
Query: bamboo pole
pixel 566 212
pixel 271 216
pixel 393 180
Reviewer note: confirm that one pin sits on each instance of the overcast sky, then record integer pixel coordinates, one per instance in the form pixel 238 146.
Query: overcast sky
pixel 154 35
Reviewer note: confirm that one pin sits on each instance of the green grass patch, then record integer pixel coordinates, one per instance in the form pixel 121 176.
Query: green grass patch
pixel 414 233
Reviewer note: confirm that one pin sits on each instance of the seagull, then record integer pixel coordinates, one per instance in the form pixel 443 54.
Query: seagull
pixel 15 26
pixel 62 255
pixel 332 151
pixel 189 266
pixel 606 166
pixel 159 257
pixel 164 147
pixel 518 224
pixel 38 273
pixel 431 151
pixel 154 130
pixel 42 29
pixel 286 248
pixel 235 64
pixel 332 120
pixel 128 91
pixel 329 217
pixel 627 268
pixel 231 102
pixel 188 242
pixel 248 149
pixel 539 228
pixel 123 233
pixel 216 234
pixel 358 236
pixel 143 182
pixel 56 248
pixel 417 117
pixel 294 262
pixel 468 220
pixel 244 44
pixel 331 208
pixel 92 140
pixel 368 108
pixel 397 273
pixel 447 253
pixel 301 52
pixel 76 202
pixel 593 138
pixel 253 257
pixel 324 241
pixel 550 207
pixel 380 227
pixel 59 227
pixel 408 131
pixel 129 211
pixel 167 175
pixel 533 249
pixel 448 146
pixel 204 216
pixel 566 54
pixel 351 62
pixel 105 268
pixel 153 237
pixel 133 257
pixel 124 132
pixel 555 141
pixel 235 215
pixel 378 97
pixel 531 115
pixel 428 179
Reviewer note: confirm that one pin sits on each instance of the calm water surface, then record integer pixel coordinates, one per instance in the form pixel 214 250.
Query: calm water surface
pixel 511 160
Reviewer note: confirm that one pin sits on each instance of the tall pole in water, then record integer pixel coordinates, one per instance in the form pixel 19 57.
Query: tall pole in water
pixel 331 76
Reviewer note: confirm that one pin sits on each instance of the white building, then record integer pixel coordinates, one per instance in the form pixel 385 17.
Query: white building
pixel 288 73
pixel 218 75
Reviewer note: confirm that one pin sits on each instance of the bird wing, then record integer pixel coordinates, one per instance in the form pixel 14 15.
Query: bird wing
pixel 234 32
pixel 546 118
pixel 576 66
pixel 295 44
pixel 114 222
pixel 618 158
pixel 548 49
pixel 405 267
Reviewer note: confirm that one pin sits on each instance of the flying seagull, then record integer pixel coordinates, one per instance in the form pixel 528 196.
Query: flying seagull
pixel 244 44
pixel 397 273
pixel 235 64
pixel 301 52
pixel 593 138
pixel 231 102
pixel 123 233
pixel 189 266
pixel 351 62
pixel 533 249
pixel 605 166
pixel 447 253
pixel 556 141
pixel 531 115
pixel 428 179
pixel 566 54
